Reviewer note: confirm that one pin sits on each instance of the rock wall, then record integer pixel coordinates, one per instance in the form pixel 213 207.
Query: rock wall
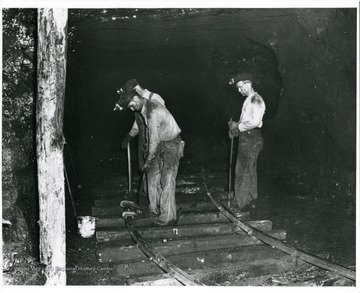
pixel 318 67
pixel 19 187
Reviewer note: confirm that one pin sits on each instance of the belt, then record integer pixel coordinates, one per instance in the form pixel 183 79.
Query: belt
pixel 254 130
pixel 174 140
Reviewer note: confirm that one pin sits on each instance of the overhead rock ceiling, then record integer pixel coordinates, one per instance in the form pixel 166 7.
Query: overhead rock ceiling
pixel 188 56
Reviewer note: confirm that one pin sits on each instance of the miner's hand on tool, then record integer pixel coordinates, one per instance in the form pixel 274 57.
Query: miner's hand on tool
pixel 232 135
pixel 233 129
pixel 126 140
pixel 233 125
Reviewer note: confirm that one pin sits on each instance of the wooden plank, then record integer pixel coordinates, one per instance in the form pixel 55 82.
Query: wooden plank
pixel 111 198
pixel 110 194
pixel 186 207
pixel 119 183
pixel 188 189
pixel 186 218
pixel 208 217
pixel 200 259
pixel 210 275
pixel 161 280
pixel 161 261
pixel 106 196
pixel 182 231
pixel 102 190
pixel 106 211
pixel 117 179
pixel 122 253
pixel 110 201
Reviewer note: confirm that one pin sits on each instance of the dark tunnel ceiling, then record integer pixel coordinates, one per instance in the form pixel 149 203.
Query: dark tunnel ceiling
pixel 100 28
pixel 186 55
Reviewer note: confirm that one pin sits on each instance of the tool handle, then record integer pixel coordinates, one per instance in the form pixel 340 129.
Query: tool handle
pixel 229 121
pixel 230 166
pixel 129 167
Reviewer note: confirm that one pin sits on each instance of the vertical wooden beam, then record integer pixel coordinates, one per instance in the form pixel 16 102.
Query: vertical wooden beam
pixel 51 73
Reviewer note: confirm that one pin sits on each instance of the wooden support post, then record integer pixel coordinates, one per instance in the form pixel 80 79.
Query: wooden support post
pixel 51 76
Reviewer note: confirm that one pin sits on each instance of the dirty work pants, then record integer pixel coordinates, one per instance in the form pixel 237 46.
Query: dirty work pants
pixel 142 149
pixel 250 145
pixel 161 179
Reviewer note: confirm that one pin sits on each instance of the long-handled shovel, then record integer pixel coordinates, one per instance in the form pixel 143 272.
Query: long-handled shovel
pixel 230 167
pixel 129 207
pixel 129 170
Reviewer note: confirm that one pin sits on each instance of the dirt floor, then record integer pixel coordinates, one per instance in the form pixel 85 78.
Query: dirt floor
pixel 314 223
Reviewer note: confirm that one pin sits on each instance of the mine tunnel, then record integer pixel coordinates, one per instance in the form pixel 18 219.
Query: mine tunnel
pixel 303 64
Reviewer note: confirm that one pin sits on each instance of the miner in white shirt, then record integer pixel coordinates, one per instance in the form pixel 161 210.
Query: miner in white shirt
pixel 248 131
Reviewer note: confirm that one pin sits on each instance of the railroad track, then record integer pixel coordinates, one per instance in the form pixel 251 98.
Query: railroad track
pixel 209 245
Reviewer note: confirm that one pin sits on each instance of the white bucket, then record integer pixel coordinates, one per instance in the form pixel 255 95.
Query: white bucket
pixel 86 226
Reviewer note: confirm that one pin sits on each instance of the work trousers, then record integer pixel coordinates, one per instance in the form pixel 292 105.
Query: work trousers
pixel 142 136
pixel 250 145
pixel 161 179
pixel 142 150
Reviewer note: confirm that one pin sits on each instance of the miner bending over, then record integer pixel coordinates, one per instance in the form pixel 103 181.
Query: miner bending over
pixel 164 149
pixel 138 128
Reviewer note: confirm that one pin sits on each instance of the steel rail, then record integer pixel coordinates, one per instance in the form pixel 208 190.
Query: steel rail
pixel 317 261
pixel 159 260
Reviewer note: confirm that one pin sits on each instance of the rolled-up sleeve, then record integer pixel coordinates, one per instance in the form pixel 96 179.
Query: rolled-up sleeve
pixel 252 114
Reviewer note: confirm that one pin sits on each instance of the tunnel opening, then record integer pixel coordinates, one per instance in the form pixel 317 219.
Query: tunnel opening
pixel 191 72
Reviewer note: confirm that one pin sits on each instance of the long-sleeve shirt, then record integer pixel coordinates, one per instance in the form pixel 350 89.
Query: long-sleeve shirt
pixel 252 112
pixel 161 125
pixel 134 131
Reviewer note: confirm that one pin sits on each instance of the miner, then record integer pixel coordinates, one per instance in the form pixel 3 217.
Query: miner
pixel 138 128
pixel 164 148
pixel 248 131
